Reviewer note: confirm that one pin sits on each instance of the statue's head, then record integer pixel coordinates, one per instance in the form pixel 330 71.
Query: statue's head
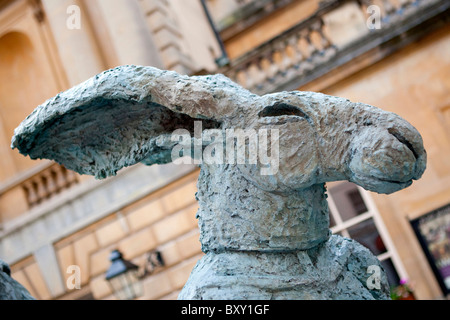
pixel 293 140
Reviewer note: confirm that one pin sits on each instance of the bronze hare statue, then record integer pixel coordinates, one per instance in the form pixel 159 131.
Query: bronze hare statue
pixel 264 224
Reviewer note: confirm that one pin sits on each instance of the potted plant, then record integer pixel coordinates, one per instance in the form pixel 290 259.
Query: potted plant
pixel 403 291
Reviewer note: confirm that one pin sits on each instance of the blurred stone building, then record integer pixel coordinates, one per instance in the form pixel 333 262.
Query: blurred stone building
pixel 394 54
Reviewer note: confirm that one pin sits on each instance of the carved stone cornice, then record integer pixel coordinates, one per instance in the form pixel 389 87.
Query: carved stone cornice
pixel 306 51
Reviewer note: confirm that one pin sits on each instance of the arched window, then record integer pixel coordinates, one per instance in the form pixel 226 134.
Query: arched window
pixel 26 82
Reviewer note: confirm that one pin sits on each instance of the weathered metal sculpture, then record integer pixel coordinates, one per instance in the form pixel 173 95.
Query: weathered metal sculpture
pixel 10 289
pixel 265 233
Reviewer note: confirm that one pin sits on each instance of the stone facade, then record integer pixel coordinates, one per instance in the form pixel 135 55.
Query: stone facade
pixel 249 221
pixel 406 75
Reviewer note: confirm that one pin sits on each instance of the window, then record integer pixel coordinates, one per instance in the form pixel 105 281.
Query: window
pixel 433 233
pixel 354 215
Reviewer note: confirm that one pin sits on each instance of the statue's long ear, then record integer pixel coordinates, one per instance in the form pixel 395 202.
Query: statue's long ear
pixel 115 119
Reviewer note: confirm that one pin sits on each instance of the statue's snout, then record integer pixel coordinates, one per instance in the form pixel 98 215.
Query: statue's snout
pixel 412 140
pixel 387 157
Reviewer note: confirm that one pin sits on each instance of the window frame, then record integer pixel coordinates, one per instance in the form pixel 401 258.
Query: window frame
pixel 372 212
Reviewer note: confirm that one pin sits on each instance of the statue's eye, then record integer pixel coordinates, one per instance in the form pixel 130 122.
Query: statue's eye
pixel 282 109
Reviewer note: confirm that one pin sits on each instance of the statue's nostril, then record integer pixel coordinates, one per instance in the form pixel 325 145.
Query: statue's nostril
pixel 403 140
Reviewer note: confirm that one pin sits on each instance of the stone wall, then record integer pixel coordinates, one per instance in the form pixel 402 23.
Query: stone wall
pixel 414 84
pixel 164 220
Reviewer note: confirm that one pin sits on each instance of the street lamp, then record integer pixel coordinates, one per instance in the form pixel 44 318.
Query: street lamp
pixel 124 276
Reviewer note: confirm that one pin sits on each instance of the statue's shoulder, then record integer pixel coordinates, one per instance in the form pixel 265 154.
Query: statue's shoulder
pixel 351 262
pixel 10 289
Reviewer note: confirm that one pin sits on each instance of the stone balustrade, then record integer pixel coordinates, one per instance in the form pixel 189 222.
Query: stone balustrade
pixel 297 51
pixel 86 203
pixel 47 184
pixel 321 39
pixel 389 7
pixel 33 189
pixel 243 1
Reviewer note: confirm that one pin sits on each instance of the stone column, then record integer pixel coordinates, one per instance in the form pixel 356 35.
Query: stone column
pixel 130 36
pixel 78 51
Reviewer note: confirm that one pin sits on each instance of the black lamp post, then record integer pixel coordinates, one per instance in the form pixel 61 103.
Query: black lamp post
pixel 123 277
